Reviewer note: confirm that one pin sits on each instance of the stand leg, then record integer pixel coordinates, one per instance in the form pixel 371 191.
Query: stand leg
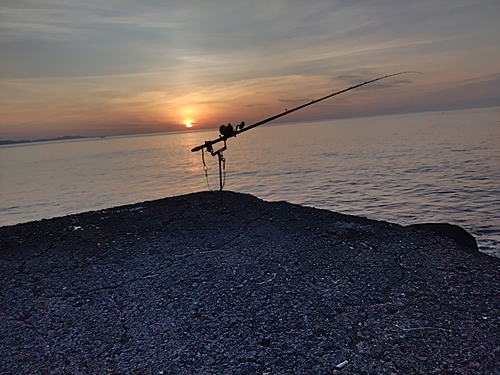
pixel 220 170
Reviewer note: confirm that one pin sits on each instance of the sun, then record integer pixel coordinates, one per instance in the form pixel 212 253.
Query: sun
pixel 189 124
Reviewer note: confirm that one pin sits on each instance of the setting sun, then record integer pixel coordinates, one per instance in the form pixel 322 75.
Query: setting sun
pixel 189 125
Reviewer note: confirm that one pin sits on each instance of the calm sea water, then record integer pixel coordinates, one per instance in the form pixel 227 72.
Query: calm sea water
pixel 431 167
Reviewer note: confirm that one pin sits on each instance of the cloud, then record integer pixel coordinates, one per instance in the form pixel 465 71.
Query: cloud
pixel 146 61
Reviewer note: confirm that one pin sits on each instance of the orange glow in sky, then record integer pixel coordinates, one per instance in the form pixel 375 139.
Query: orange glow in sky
pixel 214 74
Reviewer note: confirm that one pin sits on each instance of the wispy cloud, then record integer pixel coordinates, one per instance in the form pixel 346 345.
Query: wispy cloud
pixel 150 61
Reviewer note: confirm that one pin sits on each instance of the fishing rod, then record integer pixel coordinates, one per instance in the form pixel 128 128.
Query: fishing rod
pixel 228 131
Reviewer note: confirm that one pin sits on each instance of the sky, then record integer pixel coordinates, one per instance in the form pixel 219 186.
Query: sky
pixel 113 67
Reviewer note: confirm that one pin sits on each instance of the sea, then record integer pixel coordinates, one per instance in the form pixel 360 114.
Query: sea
pixel 405 169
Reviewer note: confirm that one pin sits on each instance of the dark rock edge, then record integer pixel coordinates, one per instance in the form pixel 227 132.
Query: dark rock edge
pixel 223 283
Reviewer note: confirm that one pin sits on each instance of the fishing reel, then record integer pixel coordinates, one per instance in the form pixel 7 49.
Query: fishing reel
pixel 228 130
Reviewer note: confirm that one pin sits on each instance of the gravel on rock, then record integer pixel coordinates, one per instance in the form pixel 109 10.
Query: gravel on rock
pixel 225 283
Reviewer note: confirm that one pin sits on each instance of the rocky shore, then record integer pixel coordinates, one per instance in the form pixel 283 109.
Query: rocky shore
pixel 225 283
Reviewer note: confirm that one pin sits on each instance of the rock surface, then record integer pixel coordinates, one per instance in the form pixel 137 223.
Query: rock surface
pixel 225 283
pixel 456 233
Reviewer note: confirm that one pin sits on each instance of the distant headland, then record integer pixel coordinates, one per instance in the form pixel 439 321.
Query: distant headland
pixel 65 138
